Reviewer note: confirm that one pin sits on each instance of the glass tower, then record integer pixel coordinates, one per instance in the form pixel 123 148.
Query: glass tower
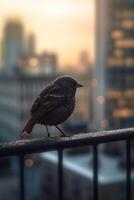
pixel 114 72
pixel 120 65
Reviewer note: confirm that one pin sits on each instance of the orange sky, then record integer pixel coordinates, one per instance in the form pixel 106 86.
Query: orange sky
pixel 63 26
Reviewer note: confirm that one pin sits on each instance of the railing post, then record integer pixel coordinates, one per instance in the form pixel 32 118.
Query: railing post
pixel 95 172
pixel 128 169
pixel 60 174
pixel 22 184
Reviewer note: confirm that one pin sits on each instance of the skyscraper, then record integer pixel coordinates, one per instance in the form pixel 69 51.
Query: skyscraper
pixel 12 43
pixel 114 73
pixel 31 45
pixel 48 63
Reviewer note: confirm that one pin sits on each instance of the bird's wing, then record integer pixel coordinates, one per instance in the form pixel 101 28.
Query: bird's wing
pixel 39 99
pixel 54 99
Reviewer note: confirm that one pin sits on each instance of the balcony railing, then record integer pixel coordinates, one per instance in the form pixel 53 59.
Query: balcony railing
pixel 23 147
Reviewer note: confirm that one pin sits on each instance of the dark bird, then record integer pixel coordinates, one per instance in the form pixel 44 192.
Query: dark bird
pixel 54 105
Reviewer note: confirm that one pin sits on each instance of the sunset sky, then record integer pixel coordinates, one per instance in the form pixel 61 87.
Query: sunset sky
pixel 63 26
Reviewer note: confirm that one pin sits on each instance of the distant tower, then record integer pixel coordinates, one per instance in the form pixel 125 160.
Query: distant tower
pixel 84 58
pixel 48 63
pixel 113 103
pixel 12 43
pixel 31 45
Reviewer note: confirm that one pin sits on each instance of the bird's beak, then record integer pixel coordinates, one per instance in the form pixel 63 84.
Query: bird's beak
pixel 79 85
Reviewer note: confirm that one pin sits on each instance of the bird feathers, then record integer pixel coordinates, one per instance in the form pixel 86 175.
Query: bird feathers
pixel 54 104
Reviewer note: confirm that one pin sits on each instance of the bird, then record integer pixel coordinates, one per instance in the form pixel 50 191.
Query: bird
pixel 54 105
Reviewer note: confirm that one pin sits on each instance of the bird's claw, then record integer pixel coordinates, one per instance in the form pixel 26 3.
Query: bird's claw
pixel 65 135
pixel 24 133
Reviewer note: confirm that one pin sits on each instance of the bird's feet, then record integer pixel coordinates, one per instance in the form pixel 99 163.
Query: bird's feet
pixel 25 136
pixel 48 134
pixel 24 133
pixel 65 135
pixel 62 133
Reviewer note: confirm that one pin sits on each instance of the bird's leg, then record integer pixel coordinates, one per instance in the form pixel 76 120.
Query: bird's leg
pixel 63 134
pixel 47 131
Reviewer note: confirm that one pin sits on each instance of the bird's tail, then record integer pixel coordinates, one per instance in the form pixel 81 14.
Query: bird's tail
pixel 28 127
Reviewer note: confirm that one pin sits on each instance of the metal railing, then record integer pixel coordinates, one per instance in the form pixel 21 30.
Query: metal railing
pixel 23 147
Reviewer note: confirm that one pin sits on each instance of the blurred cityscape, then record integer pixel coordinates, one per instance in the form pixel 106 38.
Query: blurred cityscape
pixel 24 73
pixel 105 102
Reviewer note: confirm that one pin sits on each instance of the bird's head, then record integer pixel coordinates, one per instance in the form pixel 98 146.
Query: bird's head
pixel 67 82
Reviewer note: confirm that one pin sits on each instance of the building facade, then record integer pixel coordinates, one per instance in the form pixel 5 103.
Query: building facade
pixel 12 43
pixel 114 72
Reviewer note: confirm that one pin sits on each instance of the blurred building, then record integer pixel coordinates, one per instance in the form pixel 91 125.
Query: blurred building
pixel 12 43
pixel 78 177
pixel 28 65
pixel 19 53
pixel 84 61
pixel 48 63
pixel 38 64
pixel 114 73
pixel 31 45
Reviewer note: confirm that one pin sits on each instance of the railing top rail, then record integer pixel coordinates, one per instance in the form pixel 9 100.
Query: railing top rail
pixel 39 145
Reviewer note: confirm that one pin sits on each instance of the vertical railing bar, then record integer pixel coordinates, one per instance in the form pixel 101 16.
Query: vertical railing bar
pixel 128 169
pixel 22 183
pixel 95 172
pixel 60 174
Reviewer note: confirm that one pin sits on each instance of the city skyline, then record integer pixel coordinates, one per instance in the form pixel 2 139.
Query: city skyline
pixel 62 27
pixel 19 49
